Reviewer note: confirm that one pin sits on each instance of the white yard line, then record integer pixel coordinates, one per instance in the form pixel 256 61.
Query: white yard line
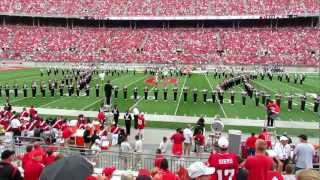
pixel 141 98
pixel 89 105
pixel 177 107
pixel 223 111
pixel 45 105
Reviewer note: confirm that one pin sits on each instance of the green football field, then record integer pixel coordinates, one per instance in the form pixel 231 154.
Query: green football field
pixel 200 81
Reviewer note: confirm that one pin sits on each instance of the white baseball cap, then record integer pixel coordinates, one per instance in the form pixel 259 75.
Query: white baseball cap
pixel 283 138
pixel 198 169
pixel 97 141
pixel 223 142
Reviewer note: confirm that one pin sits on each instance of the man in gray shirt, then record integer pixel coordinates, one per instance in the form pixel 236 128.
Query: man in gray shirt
pixel 303 153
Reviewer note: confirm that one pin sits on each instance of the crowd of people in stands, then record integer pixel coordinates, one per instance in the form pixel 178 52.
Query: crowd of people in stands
pixel 265 159
pixel 101 9
pixel 287 46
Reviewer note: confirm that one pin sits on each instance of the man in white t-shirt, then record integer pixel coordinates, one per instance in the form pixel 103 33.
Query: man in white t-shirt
pixel 303 154
pixel 187 133
pixel 283 151
pixel 125 150
pixel 135 113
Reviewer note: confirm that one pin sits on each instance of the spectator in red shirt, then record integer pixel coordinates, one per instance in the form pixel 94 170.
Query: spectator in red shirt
pixel 51 158
pixel 275 173
pixel 226 164
pixel 34 167
pixel 101 117
pixel 159 157
pixel 37 149
pixel 199 141
pixel 177 140
pixel 27 156
pixel 250 143
pixel 141 124
pixel 164 173
pixel 259 164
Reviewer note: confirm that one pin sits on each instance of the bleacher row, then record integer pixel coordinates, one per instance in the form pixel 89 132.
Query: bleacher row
pixel 288 46
pixel 107 8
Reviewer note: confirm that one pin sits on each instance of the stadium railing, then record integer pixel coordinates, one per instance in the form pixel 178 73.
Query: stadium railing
pixel 122 161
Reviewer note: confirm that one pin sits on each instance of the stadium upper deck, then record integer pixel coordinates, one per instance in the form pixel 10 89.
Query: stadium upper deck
pixel 109 8
pixel 287 46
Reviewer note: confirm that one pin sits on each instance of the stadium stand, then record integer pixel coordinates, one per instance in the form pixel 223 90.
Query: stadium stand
pixel 99 9
pixel 288 46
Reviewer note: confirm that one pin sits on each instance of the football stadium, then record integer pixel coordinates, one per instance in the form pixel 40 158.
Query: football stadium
pixel 167 89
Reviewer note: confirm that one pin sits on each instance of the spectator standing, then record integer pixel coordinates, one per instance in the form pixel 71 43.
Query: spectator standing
pixel 51 157
pixel 164 173
pixel 283 150
pixel 164 145
pixel 259 164
pixel 27 156
pixel 177 140
pixel 7 170
pixel 101 117
pixel 303 154
pixel 250 143
pixel 187 133
pixel 199 140
pixel 138 149
pixel 125 149
pixel 34 167
pixel 275 174
pixel 158 158
pixel 141 124
pixel 226 164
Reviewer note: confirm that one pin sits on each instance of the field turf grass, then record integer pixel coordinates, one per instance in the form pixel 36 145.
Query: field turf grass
pixel 179 107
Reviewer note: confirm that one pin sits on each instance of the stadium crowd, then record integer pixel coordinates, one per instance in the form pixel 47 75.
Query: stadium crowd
pixel 266 159
pixel 286 46
pixel 102 9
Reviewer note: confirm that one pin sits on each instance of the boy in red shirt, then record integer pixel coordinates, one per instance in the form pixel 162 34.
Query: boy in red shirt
pixel 226 164
pixel 51 158
pixel 251 144
pixel 259 165
pixel 159 157
pixel 177 140
pixel 275 173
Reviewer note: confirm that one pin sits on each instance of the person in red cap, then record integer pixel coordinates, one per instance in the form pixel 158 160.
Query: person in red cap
pixel 108 171
pixel 177 140
pixel 225 163
pixel 34 167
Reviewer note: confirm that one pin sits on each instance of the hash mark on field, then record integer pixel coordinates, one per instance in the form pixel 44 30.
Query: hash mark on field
pixel 177 107
pixel 224 113
pixel 141 98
